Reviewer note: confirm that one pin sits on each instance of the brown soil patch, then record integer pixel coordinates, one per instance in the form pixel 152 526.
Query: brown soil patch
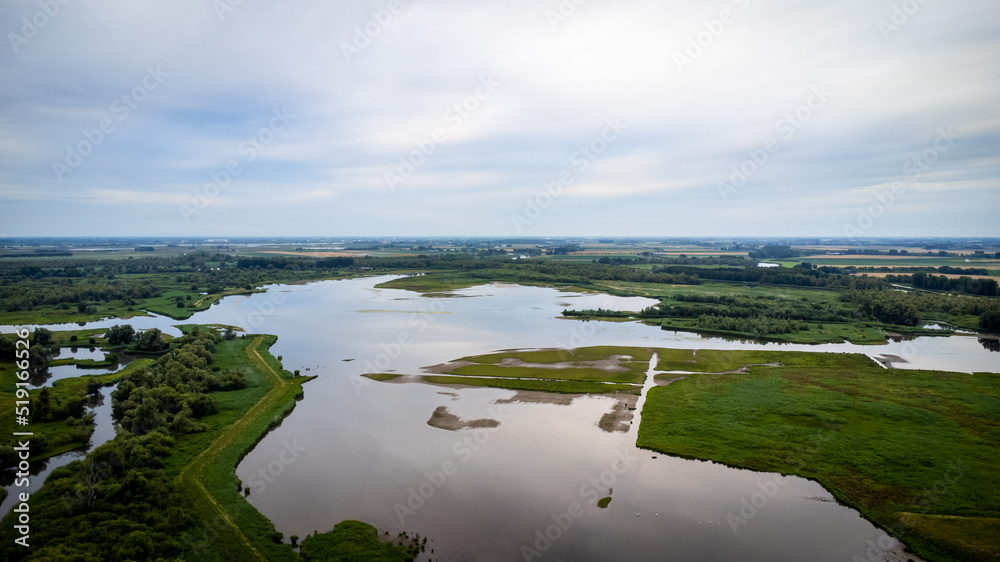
pixel 538 397
pixel 443 419
pixel 619 419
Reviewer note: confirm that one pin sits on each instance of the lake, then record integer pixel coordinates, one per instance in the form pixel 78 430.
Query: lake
pixel 527 489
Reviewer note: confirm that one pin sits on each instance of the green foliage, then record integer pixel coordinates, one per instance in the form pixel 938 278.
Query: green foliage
pixel 989 320
pixel 557 386
pixel 114 505
pixel 120 334
pixel 150 341
pixel 353 541
pixel 175 390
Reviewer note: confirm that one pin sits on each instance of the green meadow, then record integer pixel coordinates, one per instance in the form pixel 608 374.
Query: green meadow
pixel 914 451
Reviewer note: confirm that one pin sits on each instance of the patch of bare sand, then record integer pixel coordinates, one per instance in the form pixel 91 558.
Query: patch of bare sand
pixel 443 419
pixel 620 417
pixel 538 397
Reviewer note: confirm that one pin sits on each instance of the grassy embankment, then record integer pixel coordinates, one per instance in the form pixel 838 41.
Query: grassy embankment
pixel 203 463
pixel 914 451
pixel 576 371
pixel 205 466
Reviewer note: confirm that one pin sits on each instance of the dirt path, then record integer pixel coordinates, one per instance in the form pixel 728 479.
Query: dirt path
pixel 190 475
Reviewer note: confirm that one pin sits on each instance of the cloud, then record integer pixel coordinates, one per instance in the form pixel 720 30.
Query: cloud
pixel 556 82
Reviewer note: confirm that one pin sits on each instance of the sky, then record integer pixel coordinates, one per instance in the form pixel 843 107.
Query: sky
pixel 857 118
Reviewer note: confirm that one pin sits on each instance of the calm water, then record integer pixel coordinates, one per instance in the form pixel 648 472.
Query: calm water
pixel 357 449
pixel 104 430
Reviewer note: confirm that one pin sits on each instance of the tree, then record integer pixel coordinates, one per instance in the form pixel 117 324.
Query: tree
pixel 120 334
pixel 93 386
pixel 42 337
pixel 151 340
pixel 990 320
pixel 7 348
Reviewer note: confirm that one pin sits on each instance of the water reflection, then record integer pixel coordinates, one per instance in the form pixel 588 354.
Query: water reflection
pixel 990 344
pixel 104 430
pixel 365 447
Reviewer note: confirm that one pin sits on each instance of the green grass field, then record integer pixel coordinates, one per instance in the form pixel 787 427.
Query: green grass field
pixel 433 283
pixel 914 451
pixel 577 372
pixel 561 387
pixel 205 463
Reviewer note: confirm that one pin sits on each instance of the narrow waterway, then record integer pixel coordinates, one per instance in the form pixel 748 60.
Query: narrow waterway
pixel 104 431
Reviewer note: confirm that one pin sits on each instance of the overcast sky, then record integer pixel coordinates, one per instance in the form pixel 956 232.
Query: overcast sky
pixel 500 118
